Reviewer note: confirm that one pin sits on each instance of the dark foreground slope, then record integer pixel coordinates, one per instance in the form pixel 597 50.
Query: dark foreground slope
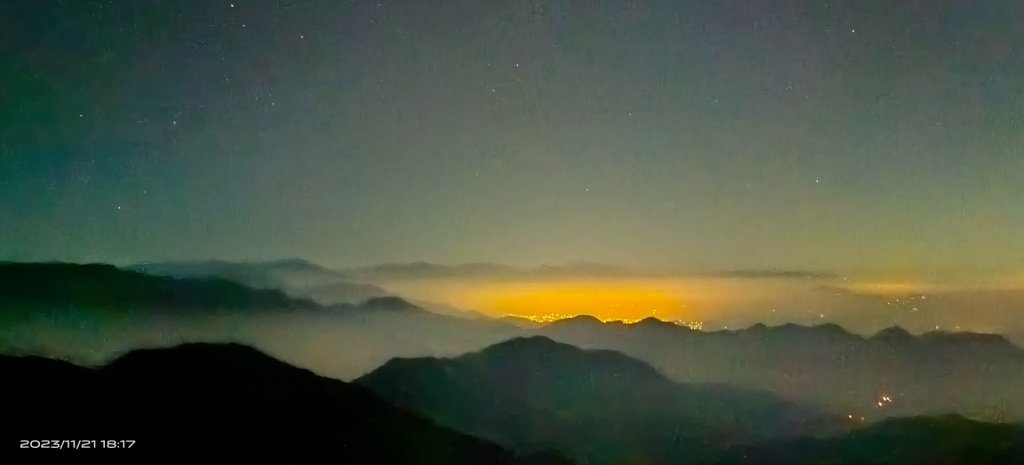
pixel 199 401
pixel 947 440
pixel 598 406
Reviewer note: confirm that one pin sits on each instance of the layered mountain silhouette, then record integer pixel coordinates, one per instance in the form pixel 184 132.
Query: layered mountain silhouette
pixel 945 440
pixel 97 286
pixel 294 276
pixel 389 304
pixel 598 406
pixel 891 373
pixel 78 312
pixel 202 401
pixel 90 313
pixel 106 287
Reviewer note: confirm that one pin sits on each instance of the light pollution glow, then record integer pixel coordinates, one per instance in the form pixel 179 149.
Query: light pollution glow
pixel 610 299
pixel 712 302
pixel 553 317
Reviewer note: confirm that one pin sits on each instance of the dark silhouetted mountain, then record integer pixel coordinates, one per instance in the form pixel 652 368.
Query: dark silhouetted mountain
pixel 90 313
pixel 268 274
pixel 98 286
pixel 394 304
pixel 976 375
pixel 946 440
pixel 94 286
pixel 379 305
pixel 230 402
pixel 581 323
pixel 991 341
pixel 338 292
pixel 894 335
pixel 598 406
pixel 293 276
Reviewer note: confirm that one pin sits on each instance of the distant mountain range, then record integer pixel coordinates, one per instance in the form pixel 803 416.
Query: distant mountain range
pixel 598 406
pixel 229 402
pixel 89 313
pixel 293 276
pixel 892 373
pixel 97 286
pixel 78 311
pixel 66 286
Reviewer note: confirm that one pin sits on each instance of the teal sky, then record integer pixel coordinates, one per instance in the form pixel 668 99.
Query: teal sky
pixel 861 137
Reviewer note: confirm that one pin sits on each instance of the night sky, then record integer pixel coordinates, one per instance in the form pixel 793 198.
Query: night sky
pixel 866 138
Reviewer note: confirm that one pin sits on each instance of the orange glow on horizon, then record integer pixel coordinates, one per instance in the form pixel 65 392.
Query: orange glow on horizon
pixel 553 317
pixel 685 300
pixel 613 300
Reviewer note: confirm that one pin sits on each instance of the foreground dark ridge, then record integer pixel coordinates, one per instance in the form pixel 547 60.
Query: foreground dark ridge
pixel 203 400
pixel 599 406
pixel 605 408
pixel 232 404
